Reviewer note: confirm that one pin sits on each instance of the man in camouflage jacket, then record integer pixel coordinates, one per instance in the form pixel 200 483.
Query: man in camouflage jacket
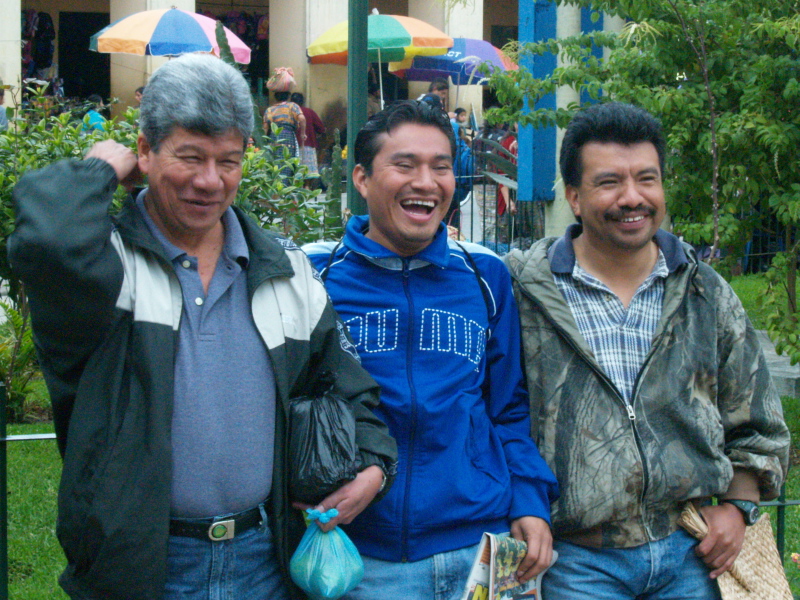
pixel 647 382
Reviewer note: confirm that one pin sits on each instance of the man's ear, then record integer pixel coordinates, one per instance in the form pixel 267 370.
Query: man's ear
pixel 360 180
pixel 144 153
pixel 571 194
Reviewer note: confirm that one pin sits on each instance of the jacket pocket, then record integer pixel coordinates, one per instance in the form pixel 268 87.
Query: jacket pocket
pixel 484 447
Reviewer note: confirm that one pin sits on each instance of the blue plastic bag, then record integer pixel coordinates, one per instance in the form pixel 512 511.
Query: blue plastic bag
pixel 326 565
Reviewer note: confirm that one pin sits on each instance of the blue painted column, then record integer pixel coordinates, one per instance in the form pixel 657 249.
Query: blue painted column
pixel 537 147
pixel 587 25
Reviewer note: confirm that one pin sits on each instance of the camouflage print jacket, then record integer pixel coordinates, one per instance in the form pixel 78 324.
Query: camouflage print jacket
pixel 704 403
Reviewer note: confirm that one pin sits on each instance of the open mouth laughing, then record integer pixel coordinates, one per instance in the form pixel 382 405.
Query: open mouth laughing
pixel 418 206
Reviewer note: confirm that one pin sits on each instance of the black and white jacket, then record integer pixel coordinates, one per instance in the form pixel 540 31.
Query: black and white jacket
pixel 106 309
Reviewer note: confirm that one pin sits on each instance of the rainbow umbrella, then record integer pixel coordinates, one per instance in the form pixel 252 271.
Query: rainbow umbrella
pixel 389 38
pixel 165 32
pixel 460 63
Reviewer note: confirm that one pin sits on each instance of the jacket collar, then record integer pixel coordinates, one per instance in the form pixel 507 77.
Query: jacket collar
pixel 267 252
pixel 436 253
pixel 562 253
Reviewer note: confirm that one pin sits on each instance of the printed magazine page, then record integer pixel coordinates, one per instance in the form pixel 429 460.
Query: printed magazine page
pixel 492 574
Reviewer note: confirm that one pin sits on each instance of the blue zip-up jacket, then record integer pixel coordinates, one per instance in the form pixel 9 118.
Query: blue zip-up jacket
pixel 447 358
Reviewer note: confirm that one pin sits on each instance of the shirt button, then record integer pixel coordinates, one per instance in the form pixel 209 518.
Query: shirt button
pixel 198 301
pixel 186 264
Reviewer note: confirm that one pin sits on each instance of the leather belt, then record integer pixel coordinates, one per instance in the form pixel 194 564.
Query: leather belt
pixel 217 529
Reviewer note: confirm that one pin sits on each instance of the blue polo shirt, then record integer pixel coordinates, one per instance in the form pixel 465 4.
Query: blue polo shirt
pixel 223 423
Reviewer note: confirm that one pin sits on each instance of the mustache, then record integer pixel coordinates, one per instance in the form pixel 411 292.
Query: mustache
pixel 624 211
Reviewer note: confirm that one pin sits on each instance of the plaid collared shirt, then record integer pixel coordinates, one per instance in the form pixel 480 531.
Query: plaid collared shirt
pixel 620 338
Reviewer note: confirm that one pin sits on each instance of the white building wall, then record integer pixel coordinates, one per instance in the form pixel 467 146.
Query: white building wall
pixel 293 26
pixel 128 71
pixel 10 51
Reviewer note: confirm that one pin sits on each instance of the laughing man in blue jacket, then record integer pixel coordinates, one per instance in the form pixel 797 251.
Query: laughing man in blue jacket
pixel 435 323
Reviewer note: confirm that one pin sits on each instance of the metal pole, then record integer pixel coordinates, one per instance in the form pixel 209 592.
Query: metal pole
pixel 356 92
pixel 3 498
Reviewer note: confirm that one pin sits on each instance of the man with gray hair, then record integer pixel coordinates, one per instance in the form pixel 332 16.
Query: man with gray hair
pixel 172 338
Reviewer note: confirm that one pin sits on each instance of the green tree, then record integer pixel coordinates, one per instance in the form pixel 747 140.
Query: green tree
pixel 722 75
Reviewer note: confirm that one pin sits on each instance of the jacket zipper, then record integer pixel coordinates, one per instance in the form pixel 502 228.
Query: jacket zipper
pixel 413 425
pixel 628 407
pixel 656 341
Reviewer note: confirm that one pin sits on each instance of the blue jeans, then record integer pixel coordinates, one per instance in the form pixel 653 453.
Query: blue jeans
pixel 664 570
pixel 244 568
pixel 439 577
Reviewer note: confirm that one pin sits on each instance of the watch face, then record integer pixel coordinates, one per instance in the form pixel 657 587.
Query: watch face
pixel 753 515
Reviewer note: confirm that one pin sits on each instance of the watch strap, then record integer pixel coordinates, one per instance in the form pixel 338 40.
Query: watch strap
pixel 749 509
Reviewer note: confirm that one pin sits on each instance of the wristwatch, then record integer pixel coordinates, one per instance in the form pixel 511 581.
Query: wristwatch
pixel 750 510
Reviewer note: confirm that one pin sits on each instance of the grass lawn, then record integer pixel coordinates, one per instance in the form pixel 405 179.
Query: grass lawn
pixel 791 409
pixel 34 556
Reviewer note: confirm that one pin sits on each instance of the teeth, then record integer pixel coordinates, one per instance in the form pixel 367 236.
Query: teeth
pixel 427 203
pixel 632 219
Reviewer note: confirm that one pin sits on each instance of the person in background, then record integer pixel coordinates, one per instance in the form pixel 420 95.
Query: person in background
pixel 137 95
pixel 314 127
pixel 648 385
pixel 459 120
pixel 505 195
pixel 463 169
pixel 436 324
pixel 172 337
pixel 373 99
pixel 3 116
pixel 461 117
pixel 286 115
pixel 94 121
pixel 441 88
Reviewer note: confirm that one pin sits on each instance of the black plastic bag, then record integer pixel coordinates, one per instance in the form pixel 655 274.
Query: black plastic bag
pixel 322 446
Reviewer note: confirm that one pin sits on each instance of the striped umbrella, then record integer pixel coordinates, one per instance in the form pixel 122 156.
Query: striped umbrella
pixel 166 32
pixel 389 38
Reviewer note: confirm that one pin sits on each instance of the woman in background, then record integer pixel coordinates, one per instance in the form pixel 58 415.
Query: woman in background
pixel 286 115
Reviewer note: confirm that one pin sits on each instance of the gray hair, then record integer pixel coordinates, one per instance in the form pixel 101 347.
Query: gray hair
pixel 199 93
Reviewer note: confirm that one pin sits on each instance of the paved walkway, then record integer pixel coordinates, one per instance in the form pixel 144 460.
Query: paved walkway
pixel 786 376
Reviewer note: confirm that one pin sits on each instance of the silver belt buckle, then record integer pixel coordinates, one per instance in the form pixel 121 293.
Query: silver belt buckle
pixel 222 530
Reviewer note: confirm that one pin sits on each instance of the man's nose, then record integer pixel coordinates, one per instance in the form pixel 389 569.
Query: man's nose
pixel 425 179
pixel 631 194
pixel 208 176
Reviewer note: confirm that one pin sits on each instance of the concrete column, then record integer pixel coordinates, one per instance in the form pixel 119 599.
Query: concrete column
pixel 128 71
pixel 10 51
pixel 293 26
pixel 571 21
pixel 558 213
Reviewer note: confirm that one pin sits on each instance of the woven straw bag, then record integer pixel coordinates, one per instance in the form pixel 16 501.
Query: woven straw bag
pixel 757 573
